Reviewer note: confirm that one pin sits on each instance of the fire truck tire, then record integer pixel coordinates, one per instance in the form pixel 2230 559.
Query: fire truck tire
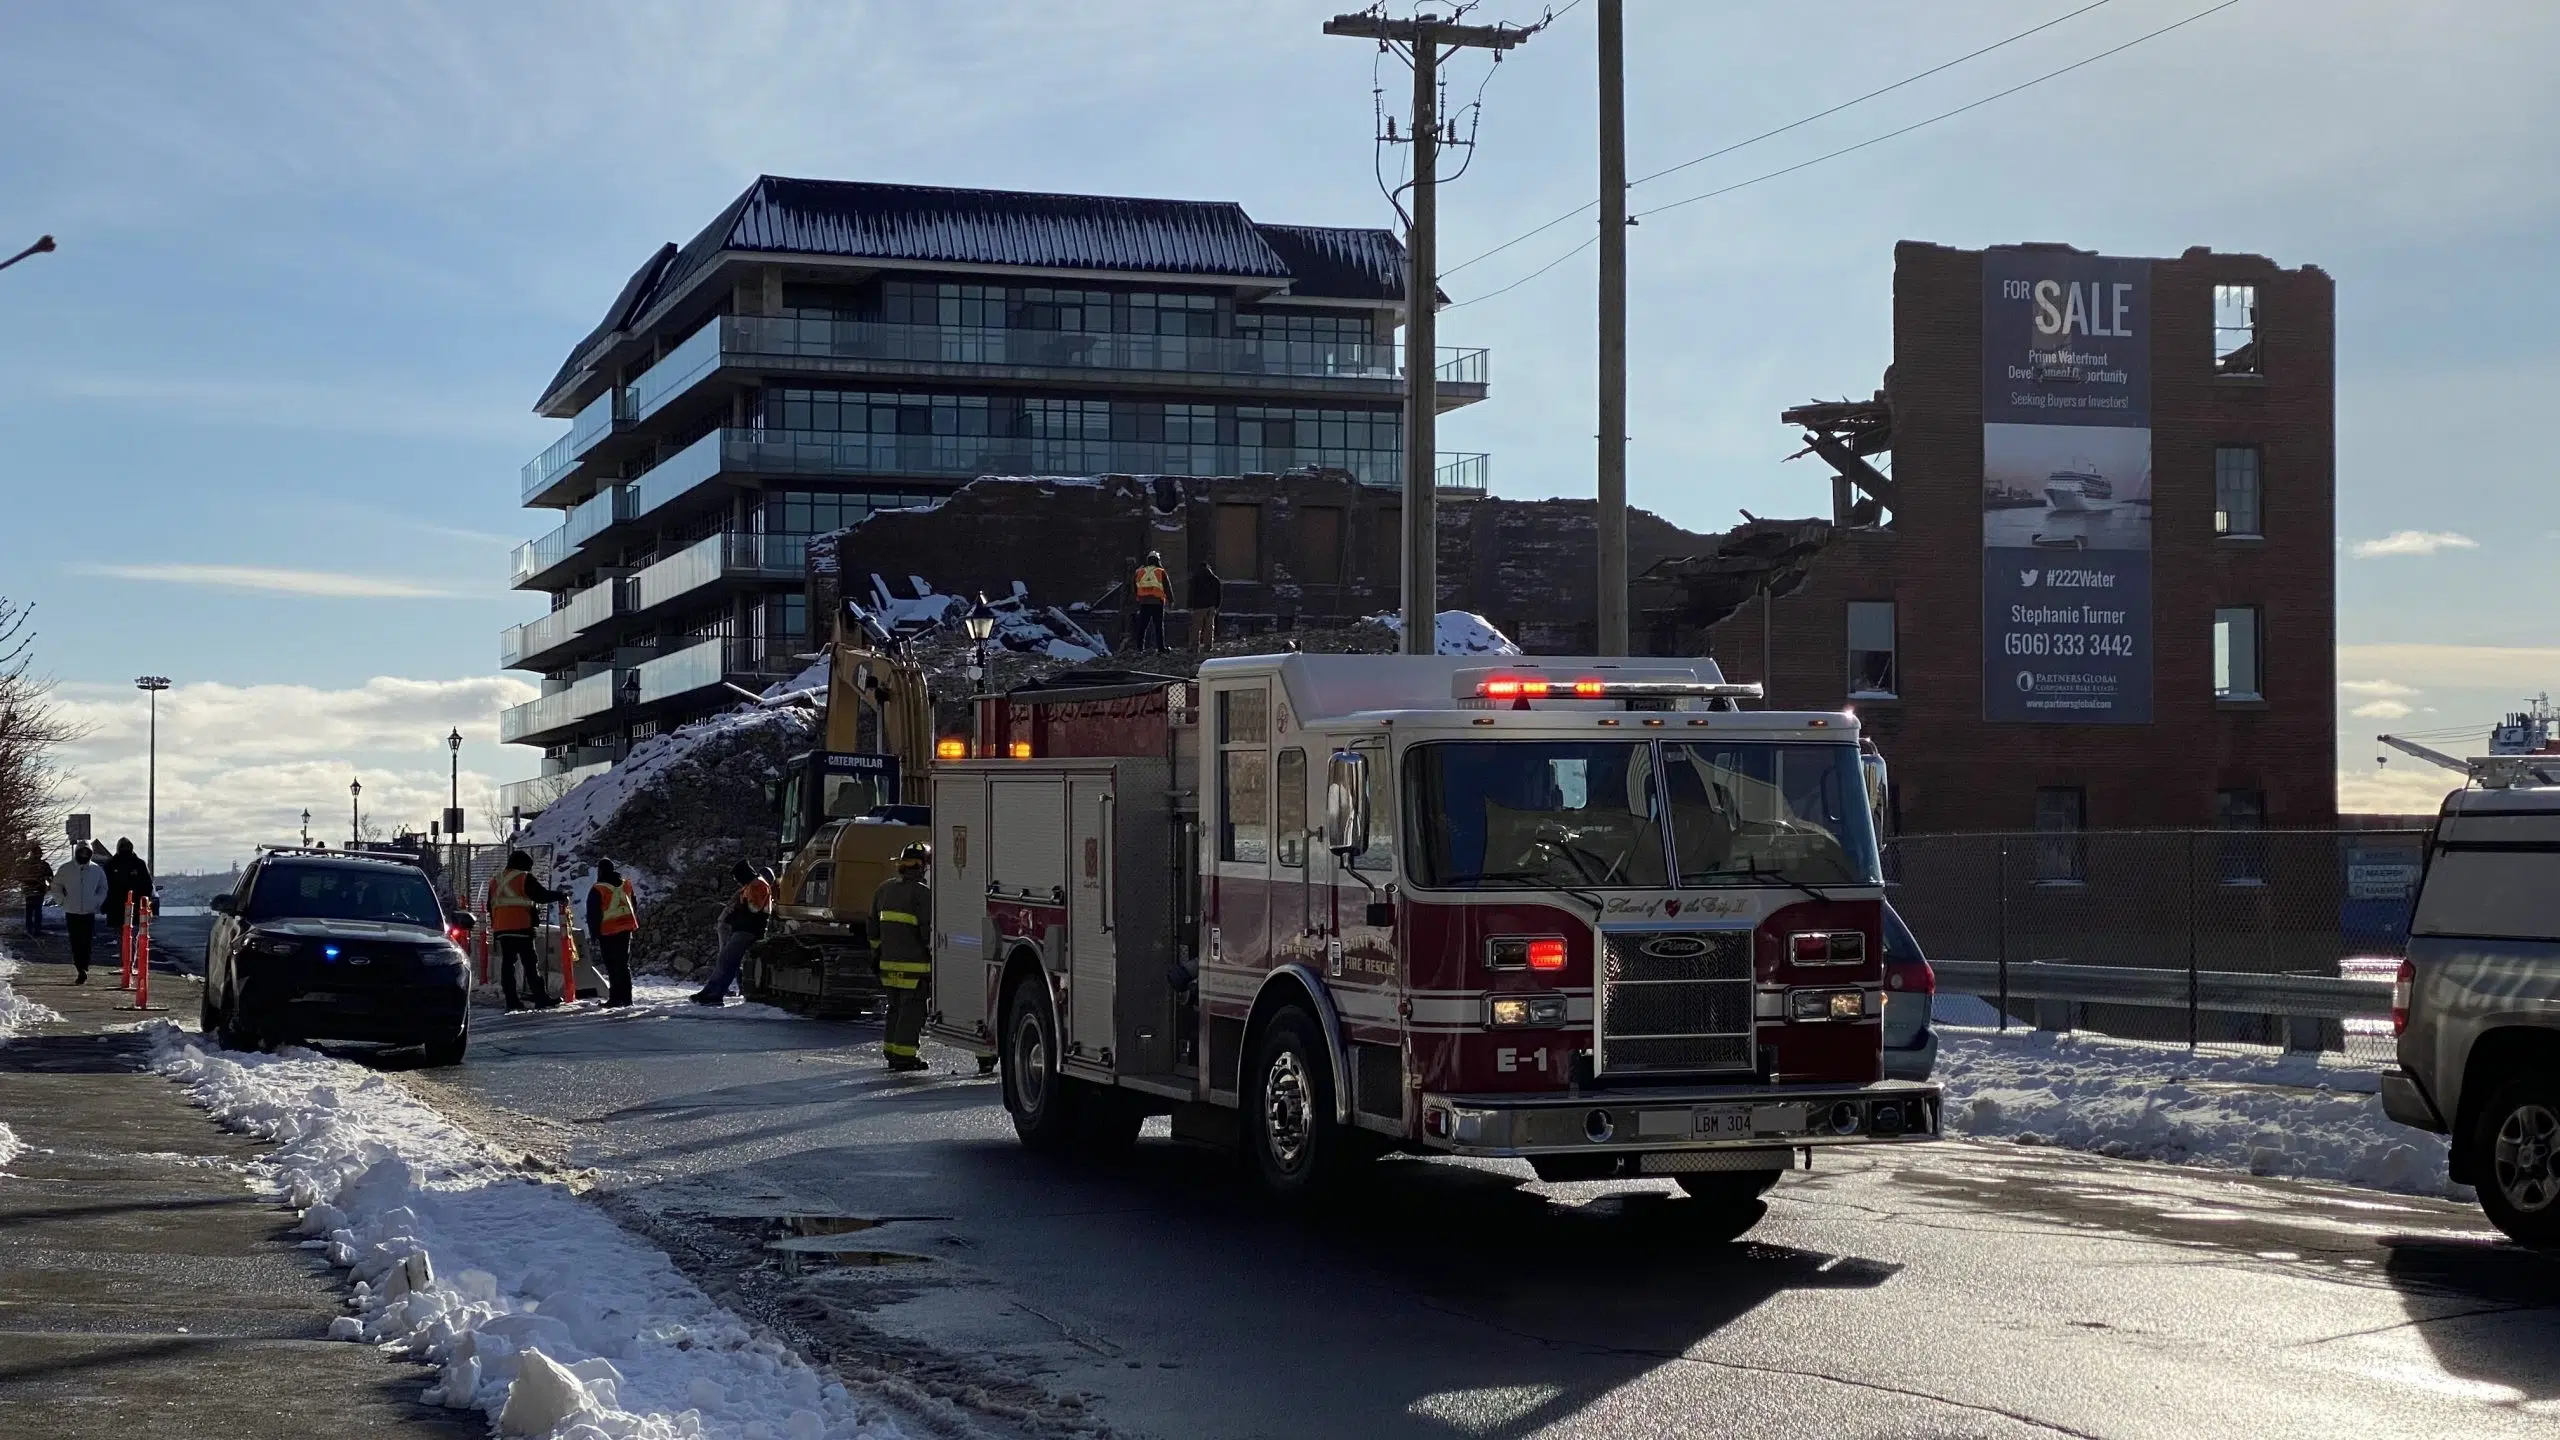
pixel 1110 1120
pixel 1041 1101
pixel 1290 1139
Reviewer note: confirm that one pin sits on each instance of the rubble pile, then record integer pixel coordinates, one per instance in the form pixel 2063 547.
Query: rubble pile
pixel 675 815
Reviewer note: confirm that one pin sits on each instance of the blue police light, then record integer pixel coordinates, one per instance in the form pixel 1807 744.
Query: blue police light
pixel 328 952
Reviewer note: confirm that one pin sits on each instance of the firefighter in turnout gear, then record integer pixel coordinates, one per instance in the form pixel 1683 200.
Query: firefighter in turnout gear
pixel 901 921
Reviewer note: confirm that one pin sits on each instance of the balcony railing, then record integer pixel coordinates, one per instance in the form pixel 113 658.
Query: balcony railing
pixel 1463 470
pixel 705 664
pixel 591 696
pixel 607 507
pixel 675 372
pixel 586 610
pixel 591 425
pixel 535 556
pixel 694 465
pixel 966 457
pixel 532 797
pixel 717 557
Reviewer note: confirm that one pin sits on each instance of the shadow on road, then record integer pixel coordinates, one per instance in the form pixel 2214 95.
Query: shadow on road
pixel 2489 1310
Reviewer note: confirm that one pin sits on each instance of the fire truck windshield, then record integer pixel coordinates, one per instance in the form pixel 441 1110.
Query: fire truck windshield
pixel 1528 815
pixel 1745 812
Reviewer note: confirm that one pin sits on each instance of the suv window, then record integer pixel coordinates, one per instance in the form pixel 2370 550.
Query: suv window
pixel 2496 892
pixel 389 894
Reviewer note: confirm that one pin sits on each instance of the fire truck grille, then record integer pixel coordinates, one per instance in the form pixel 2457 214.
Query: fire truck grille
pixel 1676 1000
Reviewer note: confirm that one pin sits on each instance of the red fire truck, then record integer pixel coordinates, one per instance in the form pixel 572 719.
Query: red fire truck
pixel 1587 913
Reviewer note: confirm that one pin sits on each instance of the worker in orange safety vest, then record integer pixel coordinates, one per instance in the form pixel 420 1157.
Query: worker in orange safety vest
pixel 1153 590
pixel 514 899
pixel 742 923
pixel 613 915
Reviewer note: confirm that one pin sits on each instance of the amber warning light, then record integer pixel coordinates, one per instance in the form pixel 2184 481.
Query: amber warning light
pixel 1656 685
pixel 950 748
pixel 1021 750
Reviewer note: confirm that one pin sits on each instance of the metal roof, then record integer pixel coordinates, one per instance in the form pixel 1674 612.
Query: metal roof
pixel 1213 239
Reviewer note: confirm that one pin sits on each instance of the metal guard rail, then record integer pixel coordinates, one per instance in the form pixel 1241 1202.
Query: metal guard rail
pixel 2326 997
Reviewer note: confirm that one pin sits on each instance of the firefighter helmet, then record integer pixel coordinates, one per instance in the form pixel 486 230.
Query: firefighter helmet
pixel 917 854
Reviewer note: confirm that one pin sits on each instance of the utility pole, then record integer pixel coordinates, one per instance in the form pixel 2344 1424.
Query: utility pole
pixel 1424 36
pixel 153 684
pixel 1612 635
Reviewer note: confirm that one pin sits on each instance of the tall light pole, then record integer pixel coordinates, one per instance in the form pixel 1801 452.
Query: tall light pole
pixel 355 816
pixel 306 828
pixel 43 246
pixel 1612 509
pixel 153 685
pixel 453 811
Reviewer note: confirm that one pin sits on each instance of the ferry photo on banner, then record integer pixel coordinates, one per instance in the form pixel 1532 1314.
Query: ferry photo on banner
pixel 2066 487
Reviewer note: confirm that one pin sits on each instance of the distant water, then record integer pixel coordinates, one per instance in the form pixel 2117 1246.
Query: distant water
pixel 2126 527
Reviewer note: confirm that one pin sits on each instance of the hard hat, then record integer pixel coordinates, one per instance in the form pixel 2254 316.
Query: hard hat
pixel 1155 557
pixel 916 854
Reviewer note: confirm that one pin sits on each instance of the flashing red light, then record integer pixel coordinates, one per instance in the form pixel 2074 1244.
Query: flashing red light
pixel 2401 985
pixel 1547 953
pixel 456 934
pixel 1498 689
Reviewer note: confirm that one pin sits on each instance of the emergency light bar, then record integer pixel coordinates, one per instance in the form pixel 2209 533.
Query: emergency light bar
pixel 1638 685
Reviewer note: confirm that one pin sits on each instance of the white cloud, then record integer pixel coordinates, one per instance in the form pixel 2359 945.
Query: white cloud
pixel 238 764
pixel 274 580
pixel 2439 667
pixel 2417 790
pixel 2376 687
pixel 2412 542
pixel 2381 710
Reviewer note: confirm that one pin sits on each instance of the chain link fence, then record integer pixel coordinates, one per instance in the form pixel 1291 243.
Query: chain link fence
pixel 2325 903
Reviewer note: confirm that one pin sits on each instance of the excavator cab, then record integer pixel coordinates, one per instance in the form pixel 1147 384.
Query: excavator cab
pixel 822 785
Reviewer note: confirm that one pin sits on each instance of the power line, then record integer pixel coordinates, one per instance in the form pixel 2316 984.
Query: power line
pixel 1781 130
pixel 1818 159
pixel 1946 114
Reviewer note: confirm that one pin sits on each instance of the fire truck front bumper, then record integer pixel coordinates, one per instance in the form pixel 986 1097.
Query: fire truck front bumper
pixel 1705 1118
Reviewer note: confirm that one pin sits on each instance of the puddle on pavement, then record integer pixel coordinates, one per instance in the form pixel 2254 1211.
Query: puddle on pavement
pixel 809 1244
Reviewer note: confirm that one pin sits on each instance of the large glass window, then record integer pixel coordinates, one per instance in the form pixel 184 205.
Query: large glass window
pixel 1244 775
pixel 1871 650
pixel 1289 808
pixel 389 894
pixel 1757 811
pixel 2236 642
pixel 2491 893
pixel 1518 816
pixel 1381 852
pixel 2235 490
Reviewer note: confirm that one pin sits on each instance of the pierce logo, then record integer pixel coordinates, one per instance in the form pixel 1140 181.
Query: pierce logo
pixel 2026 578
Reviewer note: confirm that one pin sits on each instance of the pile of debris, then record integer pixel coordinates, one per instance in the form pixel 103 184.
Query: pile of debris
pixel 675 815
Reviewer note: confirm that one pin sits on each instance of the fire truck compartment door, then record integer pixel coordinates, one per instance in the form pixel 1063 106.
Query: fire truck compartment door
pixel 1090 946
pixel 960 948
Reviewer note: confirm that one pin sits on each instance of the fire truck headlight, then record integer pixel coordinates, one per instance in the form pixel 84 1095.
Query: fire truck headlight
pixel 1826 1004
pixel 1504 1012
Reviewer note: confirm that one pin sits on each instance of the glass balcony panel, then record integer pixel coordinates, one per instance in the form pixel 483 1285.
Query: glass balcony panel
pixel 535 556
pixel 1456 470
pixel 607 507
pixel 591 696
pixel 594 422
pixel 586 610
pixel 694 566
pixel 675 372
pixel 696 667
pixel 693 465
pixel 533 796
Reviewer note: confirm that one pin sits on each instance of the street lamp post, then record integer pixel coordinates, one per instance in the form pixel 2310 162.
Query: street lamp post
pixel 152 685
pixel 980 623
pixel 43 246
pixel 306 829
pixel 453 807
pixel 355 816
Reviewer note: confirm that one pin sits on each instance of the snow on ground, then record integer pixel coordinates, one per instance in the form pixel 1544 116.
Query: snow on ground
pixel 1460 632
pixel 16 1013
pixel 2269 1115
pixel 591 803
pixel 539 1310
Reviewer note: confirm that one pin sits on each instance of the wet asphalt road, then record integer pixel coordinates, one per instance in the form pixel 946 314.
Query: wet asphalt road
pixel 1956 1289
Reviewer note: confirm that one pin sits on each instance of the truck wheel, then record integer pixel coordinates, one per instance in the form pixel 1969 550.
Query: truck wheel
pixel 448 1051
pixel 1042 1101
pixel 2518 1145
pixel 1110 1120
pixel 233 1033
pixel 1727 1202
pixel 208 1019
pixel 1295 1148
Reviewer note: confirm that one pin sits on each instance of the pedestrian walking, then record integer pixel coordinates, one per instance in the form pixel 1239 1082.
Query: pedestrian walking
pixel 901 918
pixel 35 880
pixel 742 923
pixel 515 897
pixel 128 878
pixel 80 888
pixel 613 914
pixel 1202 595
pixel 1152 588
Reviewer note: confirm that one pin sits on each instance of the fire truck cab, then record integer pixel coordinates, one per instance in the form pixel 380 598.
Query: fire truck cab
pixel 1582 912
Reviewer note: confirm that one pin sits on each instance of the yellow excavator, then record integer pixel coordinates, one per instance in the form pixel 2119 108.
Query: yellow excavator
pixel 846 808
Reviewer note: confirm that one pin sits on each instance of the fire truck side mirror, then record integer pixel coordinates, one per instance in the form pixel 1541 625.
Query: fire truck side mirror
pixel 1346 804
pixel 1879 790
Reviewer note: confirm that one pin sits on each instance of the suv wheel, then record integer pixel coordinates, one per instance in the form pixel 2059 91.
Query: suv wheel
pixel 448 1051
pixel 2518 1142
pixel 233 1033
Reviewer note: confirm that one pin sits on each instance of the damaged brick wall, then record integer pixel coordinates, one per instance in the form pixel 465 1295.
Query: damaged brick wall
pixel 1289 549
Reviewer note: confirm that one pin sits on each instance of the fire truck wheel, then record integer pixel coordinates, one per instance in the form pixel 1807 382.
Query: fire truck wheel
pixel 1041 1100
pixel 1110 1120
pixel 1289 1133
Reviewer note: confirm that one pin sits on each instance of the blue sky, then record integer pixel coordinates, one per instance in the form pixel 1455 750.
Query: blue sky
pixel 261 416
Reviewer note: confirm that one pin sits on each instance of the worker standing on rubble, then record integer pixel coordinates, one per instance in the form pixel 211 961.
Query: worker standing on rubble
pixel 901 918
pixel 1153 590
pixel 514 898
pixel 742 923
pixel 613 913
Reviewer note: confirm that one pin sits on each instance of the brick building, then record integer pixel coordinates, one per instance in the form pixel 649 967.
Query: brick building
pixel 2233 725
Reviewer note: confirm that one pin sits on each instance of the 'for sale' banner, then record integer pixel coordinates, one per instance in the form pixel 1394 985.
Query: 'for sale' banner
pixel 2066 488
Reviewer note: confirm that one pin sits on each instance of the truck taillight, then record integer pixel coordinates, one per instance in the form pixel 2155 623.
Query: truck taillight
pixel 1912 977
pixel 951 748
pixel 2401 984
pixel 1826 947
pixel 1546 953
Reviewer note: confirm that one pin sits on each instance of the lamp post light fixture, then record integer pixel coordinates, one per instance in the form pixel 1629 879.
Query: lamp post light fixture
pixel 306 828
pixel 355 816
pixel 153 685
pixel 43 246
pixel 979 623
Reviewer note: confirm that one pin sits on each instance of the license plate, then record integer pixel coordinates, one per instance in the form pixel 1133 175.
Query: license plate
pixel 1723 1122
pixel 1787 1119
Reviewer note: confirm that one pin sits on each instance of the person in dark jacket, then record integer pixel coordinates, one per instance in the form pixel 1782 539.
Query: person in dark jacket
pixel 35 877
pixel 742 923
pixel 514 902
pixel 901 919
pixel 127 879
pixel 613 916
pixel 1202 593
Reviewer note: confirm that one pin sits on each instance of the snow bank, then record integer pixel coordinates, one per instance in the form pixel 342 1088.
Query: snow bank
pixel 16 1013
pixel 540 1311
pixel 1460 632
pixel 2270 1116
pixel 568 822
